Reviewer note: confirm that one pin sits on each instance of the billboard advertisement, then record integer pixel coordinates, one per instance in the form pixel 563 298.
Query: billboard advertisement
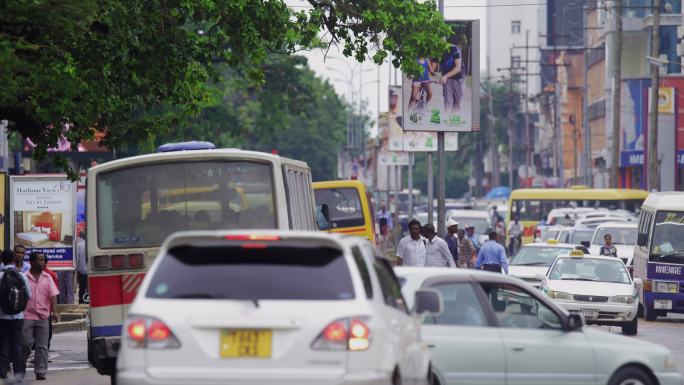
pixel 446 94
pixel 42 210
pixel 412 141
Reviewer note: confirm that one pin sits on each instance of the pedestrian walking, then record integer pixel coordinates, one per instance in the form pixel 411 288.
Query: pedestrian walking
pixel 466 250
pixel 22 265
pixel 470 232
pixel 55 279
pixel 411 250
pixel 492 256
pixel 515 231
pixel 383 213
pixel 436 250
pixel 14 296
pixel 451 239
pixel 81 267
pixel 66 286
pixel 500 229
pixel 40 309
pixel 608 249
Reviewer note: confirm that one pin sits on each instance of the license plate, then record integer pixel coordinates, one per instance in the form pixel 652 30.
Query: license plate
pixel 662 304
pixel 589 314
pixel 246 343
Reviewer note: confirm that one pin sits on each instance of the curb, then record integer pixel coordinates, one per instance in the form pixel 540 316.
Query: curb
pixel 69 326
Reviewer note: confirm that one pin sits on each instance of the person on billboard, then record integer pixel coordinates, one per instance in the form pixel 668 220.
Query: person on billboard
pixel 422 82
pixel 453 74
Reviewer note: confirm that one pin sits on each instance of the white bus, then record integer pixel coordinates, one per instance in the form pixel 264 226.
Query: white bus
pixel 133 204
pixel 659 254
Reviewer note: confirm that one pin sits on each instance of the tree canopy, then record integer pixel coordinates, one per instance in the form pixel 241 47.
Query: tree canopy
pixel 74 66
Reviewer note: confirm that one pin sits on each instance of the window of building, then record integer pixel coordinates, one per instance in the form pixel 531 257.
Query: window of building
pixel 515 26
pixel 515 62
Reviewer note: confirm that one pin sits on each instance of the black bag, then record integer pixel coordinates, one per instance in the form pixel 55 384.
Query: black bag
pixel 13 295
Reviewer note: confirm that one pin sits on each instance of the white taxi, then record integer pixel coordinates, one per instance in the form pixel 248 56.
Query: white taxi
pixel 598 288
pixel 534 259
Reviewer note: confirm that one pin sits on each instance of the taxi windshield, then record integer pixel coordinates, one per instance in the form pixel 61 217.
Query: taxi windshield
pixel 590 269
pixel 667 244
pixel 538 256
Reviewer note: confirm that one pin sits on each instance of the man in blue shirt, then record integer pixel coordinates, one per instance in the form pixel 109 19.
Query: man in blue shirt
pixel 11 325
pixel 21 263
pixel 492 256
pixel 451 240
pixel 470 233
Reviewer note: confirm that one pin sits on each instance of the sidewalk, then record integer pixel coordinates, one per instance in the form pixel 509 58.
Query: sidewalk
pixel 71 318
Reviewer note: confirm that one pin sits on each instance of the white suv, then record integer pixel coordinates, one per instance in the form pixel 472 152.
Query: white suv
pixel 266 307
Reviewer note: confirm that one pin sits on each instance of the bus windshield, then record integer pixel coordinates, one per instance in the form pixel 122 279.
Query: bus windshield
pixel 140 206
pixel 667 243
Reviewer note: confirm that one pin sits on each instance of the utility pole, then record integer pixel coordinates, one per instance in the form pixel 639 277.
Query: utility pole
pixel 653 174
pixel 528 153
pixel 587 158
pixel 616 55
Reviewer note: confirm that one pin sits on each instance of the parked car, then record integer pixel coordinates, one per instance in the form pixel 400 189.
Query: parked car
pixel 624 235
pixel 496 329
pixel 534 259
pixel 598 288
pixel 272 306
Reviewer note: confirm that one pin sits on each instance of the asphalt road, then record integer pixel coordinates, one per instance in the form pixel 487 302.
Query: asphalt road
pixel 69 364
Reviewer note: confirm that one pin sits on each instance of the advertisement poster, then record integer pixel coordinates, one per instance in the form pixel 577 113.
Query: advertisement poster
pixel 446 94
pixel 43 217
pixel 412 141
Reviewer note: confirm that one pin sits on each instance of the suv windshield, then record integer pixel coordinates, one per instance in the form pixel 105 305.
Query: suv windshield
pixel 620 235
pixel 579 236
pixel 667 244
pixel 590 269
pixel 234 272
pixel 538 256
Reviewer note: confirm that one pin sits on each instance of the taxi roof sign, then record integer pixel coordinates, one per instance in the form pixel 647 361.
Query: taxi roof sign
pixel 552 241
pixel 577 253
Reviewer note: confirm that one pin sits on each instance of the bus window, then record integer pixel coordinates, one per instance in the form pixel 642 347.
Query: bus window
pixel 344 206
pixel 141 206
pixel 528 210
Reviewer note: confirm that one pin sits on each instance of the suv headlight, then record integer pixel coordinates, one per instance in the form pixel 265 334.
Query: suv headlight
pixel 670 362
pixel 559 295
pixel 622 299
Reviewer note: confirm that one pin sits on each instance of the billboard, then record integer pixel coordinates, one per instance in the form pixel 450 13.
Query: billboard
pixel 412 141
pixel 42 210
pixel 446 94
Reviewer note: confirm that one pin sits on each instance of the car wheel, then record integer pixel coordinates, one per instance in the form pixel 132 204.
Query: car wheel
pixel 631 376
pixel 630 328
pixel 650 314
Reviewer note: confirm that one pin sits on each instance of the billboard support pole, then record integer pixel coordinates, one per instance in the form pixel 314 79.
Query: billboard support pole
pixel 410 186
pixel 430 193
pixel 441 174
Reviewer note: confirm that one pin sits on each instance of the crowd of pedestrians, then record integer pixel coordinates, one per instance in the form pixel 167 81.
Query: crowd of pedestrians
pixel 459 248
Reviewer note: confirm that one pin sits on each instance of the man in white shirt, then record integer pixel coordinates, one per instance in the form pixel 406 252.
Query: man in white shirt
pixel 437 250
pixel 411 250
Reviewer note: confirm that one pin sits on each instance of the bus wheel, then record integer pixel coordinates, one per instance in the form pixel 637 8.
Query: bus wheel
pixel 649 314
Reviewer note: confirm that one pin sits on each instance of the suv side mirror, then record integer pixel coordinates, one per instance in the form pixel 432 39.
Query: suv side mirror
pixel 428 301
pixel 642 239
pixel 574 322
pixel 638 282
pixel 540 277
pixel 586 244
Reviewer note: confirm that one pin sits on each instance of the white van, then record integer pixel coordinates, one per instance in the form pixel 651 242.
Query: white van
pixel 659 254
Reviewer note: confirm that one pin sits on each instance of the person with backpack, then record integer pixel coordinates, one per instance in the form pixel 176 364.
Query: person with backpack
pixel 40 308
pixel 14 296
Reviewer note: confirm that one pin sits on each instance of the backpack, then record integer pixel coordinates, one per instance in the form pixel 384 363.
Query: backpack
pixel 13 295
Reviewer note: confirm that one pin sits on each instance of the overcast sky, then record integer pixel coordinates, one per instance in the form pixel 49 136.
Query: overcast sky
pixel 331 68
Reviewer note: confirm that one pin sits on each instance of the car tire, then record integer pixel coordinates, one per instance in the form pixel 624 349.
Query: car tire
pixel 649 314
pixel 631 376
pixel 630 328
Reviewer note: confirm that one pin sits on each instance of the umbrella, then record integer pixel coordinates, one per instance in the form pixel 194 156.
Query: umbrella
pixel 500 192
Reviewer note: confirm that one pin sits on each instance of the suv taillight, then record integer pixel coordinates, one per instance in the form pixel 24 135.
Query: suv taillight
pixel 344 334
pixel 149 333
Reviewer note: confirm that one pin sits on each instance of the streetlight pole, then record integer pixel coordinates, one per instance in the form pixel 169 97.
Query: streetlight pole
pixel 653 174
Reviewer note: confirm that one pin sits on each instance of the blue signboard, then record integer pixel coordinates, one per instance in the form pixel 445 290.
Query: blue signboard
pixel 631 158
pixel 680 158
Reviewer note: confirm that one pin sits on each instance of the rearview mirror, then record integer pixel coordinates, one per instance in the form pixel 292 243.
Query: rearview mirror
pixel 574 322
pixel 586 244
pixel 638 282
pixel 428 301
pixel 642 239
pixel 539 277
